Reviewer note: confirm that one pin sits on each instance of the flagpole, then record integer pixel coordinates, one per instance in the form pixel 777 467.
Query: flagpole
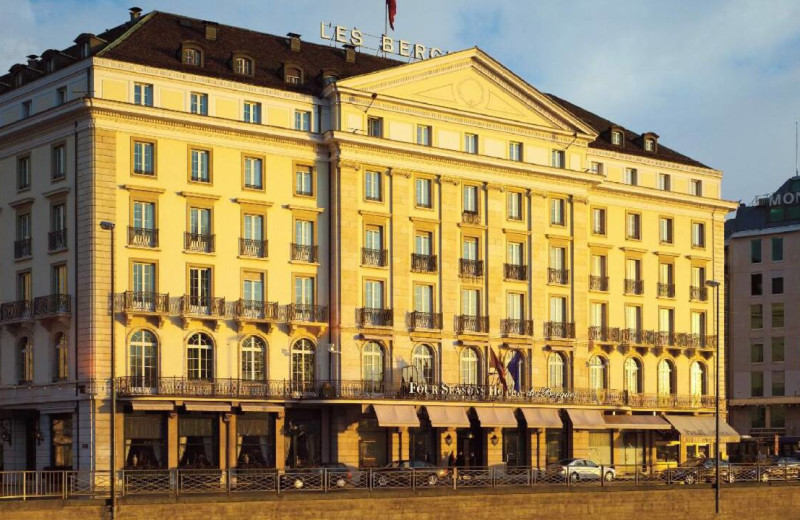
pixel 385 23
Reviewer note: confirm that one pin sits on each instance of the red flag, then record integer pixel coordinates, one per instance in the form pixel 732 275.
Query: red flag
pixel 498 366
pixel 391 7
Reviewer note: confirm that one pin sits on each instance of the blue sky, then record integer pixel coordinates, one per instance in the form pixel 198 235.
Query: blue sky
pixel 717 80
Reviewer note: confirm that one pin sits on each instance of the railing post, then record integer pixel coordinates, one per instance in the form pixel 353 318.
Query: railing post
pixel 64 485
pixel 324 480
pixel 177 482
pixel 602 476
pixel 371 479
pixel 636 475
pixel 413 479
pixel 24 485
pixel 228 481
pixel 455 478
pixel 786 472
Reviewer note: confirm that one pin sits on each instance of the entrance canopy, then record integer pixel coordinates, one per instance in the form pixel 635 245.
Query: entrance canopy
pixel 448 416
pixel 496 417
pixel 636 422
pixel 701 429
pixel 152 406
pixel 542 417
pixel 587 419
pixel 208 407
pixel 396 416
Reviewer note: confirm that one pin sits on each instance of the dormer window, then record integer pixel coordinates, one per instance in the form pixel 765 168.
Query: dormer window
pixel 650 141
pixel 18 80
pixel 192 56
pixel 293 74
pixel 50 65
pixel 616 138
pixel 85 49
pixel 243 65
pixel 649 145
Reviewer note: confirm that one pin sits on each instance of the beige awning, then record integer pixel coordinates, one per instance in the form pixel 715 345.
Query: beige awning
pixel 448 416
pixel 542 417
pixel 496 417
pixel 636 422
pixel 208 407
pixel 702 428
pixel 152 406
pixel 587 419
pixel 396 415
pixel 261 408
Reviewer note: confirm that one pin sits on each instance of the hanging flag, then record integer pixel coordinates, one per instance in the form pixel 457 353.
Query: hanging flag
pixel 498 366
pixel 513 369
pixel 391 8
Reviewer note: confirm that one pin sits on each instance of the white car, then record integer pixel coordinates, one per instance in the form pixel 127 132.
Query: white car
pixel 581 469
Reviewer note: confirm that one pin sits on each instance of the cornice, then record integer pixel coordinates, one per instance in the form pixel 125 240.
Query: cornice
pixel 423 220
pixel 367 213
pixel 666 254
pixel 520 232
pixel 311 209
pixel 449 179
pixel 58 192
pixel 699 258
pixel 495 186
pixel 197 195
pixel 598 245
pixel 552 236
pixel 635 250
pixel 20 203
pixel 663 196
pixel 140 188
pixel 349 165
pixel 406 174
pixel 659 163
pixel 253 202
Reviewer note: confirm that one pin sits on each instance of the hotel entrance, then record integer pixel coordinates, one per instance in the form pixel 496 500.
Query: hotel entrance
pixel 469 447
pixel 303 438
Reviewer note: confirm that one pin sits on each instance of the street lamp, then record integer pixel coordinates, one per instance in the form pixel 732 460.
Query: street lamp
pixel 715 285
pixel 109 226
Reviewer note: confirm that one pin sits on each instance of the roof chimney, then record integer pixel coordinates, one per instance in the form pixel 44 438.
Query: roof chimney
pixel 135 12
pixel 32 60
pixel 211 30
pixel 350 53
pixel 294 38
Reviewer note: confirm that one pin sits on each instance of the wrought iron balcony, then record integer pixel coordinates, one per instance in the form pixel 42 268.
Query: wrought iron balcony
pixel 666 290
pixel 466 323
pixel 666 339
pixel 698 293
pixel 701 341
pixel 256 310
pixel 559 329
pixel 638 337
pixel 295 312
pixel 202 306
pixel 145 302
pixel 372 317
pixel 634 286
pixel 13 312
pixel 374 257
pixel 470 217
pixel 470 268
pixel 424 263
pixel 516 327
pixel 57 240
pixel 515 271
pixel 603 333
pixel 424 320
pixel 304 253
pixel 22 248
pixel 598 283
pixel 52 305
pixel 253 247
pixel 559 276
pixel 198 242
pixel 142 237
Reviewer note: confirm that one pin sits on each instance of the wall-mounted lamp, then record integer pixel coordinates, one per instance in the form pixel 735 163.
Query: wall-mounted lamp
pixel 494 439
pixel 448 439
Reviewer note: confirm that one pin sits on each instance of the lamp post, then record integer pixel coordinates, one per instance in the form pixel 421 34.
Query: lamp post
pixel 109 226
pixel 715 285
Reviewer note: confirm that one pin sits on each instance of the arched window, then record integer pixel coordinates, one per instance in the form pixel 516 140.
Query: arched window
pixel 556 369
pixel 372 362
pixel 303 362
pixel 515 369
pixel 242 65
pixel 633 374
pixel 698 379
pixel 25 371
pixel 422 359
pixel 192 56
pixel 200 357
pixel 666 377
pixel 253 356
pixel 143 359
pixel 60 357
pixel 469 367
pixel 597 373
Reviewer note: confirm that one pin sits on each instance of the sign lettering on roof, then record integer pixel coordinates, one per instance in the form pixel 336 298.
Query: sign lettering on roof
pixel 389 45
pixel 784 199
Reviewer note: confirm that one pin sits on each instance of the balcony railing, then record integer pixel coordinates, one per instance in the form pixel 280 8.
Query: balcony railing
pixel 52 305
pixel 666 290
pixel 374 257
pixel 198 242
pixel 698 293
pixel 603 333
pixel 559 329
pixel 559 276
pixel 638 337
pixel 255 248
pixel 22 248
pixel 424 320
pixel 424 263
pixel 516 327
pixel 468 323
pixel 305 313
pixel 20 310
pixel 57 240
pixel 142 237
pixel 304 253
pixel 256 310
pixel 666 339
pixel 598 283
pixel 145 302
pixel 515 272
pixel 202 306
pixel 634 286
pixel 371 317
pixel 701 341
pixel 470 268
pixel 470 217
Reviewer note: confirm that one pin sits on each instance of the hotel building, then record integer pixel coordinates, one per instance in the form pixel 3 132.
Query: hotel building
pixel 324 255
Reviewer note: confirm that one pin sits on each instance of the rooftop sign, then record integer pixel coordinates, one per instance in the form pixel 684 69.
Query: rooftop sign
pixel 355 37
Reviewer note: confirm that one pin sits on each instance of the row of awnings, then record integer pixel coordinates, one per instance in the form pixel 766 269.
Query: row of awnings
pixel 200 406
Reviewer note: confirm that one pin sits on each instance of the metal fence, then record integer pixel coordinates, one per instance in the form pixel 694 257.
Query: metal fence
pixel 23 485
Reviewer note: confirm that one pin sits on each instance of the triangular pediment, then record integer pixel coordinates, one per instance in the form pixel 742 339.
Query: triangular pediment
pixel 469 82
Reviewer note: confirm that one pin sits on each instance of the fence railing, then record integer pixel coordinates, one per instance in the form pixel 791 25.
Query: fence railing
pixel 515 272
pixel 200 242
pixel 634 286
pixel 57 240
pixel 469 323
pixel 24 485
pixel 598 283
pixel 424 263
pixel 305 253
pixel 470 268
pixel 602 333
pixel 22 248
pixel 374 257
pixel 142 237
pixel 698 293
pixel 559 329
pixel 52 305
pixel 424 320
pixel 371 317
pixel 255 248
pixel 16 311
pixel 516 327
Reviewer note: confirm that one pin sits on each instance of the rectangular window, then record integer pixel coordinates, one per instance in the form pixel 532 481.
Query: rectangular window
pixel 373 294
pixel 557 212
pixel 557 258
pixel 664 182
pixel 778 383
pixel 665 273
pixel 304 290
pixel 598 314
pixel 515 151
pixel 253 173
pixel 27 109
pixel 199 103
pixel 758 415
pixel 696 187
pixel 631 176
pixel 253 287
pixel 777 413
pixel 665 230
pixel 144 216
pixel 143 155
pixel 200 221
pixel 757 384
pixel 58 217
pixel 633 269
pixel 423 193
pixel 557 159
pixel 755 251
pixel 200 286
pixel 24 290
pixel 24 226
pixel 699 323
pixel 252 112
pixel 633 317
pixel 514 205
pixel 303 181
pixel 756 316
pixel 61 96
pixel 777 350
pixel 470 302
pixel 59 279
pixel 304 232
pixel 470 249
pixel 777 315
pixel 423 298
pixel 756 285
pixel 422 243
pixel 514 253
pixel 698 234
pixel 144 278
pixel 599 265
pixel 515 306
pixel 143 94
pixel 698 276
pixel 373 238
pixel 59 162
pixel 372 186
pixel 424 133
pixel 633 228
pixel 597 167
pixel 254 227
pixel 375 126
pixel 470 143
pixel 302 120
pixel 777 285
pixel 23 173
pixel 599 221
pixel 201 167
pixel 470 200
pixel 756 353
pixel 777 249
pixel 666 320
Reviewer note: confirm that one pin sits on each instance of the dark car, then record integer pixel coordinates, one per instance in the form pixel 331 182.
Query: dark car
pixel 338 476
pixel 701 470
pixel 399 474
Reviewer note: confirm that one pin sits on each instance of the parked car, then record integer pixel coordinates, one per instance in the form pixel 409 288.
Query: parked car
pixel 701 470
pixel 338 476
pixel 397 474
pixel 780 468
pixel 581 469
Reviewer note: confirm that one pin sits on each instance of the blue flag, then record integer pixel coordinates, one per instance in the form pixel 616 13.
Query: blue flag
pixel 513 369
